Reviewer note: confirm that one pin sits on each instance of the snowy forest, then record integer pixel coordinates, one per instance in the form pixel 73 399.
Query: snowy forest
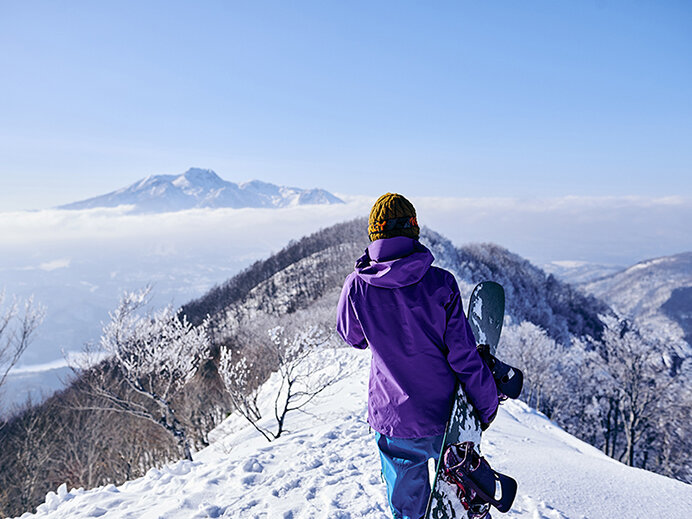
pixel 159 380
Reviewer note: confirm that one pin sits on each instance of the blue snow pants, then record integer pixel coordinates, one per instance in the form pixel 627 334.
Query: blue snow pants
pixel 405 469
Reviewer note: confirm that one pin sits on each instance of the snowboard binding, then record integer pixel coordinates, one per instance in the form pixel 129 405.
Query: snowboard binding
pixel 478 485
pixel 509 380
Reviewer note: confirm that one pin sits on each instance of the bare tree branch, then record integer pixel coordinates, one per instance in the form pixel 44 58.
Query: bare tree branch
pixel 17 328
pixel 302 368
pixel 154 355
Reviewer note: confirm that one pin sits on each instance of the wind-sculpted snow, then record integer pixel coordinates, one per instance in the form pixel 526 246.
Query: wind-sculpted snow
pixel 326 466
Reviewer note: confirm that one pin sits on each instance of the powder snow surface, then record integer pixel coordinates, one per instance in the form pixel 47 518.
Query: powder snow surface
pixel 326 466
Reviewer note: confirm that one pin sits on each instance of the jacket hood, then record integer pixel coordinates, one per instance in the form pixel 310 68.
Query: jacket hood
pixel 394 262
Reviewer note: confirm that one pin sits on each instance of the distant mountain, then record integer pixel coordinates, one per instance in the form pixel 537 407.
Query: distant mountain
pixel 646 286
pixel 579 272
pixel 198 188
pixel 657 295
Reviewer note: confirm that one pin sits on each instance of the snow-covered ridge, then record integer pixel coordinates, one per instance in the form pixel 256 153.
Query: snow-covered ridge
pixel 644 293
pixel 649 263
pixel 200 188
pixel 327 467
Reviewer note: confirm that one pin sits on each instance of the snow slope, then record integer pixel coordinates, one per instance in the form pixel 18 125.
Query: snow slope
pixel 326 466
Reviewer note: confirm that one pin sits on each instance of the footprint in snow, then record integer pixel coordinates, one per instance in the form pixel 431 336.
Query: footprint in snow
pixel 310 494
pixel 331 435
pixel 250 505
pixel 249 480
pixel 334 458
pixel 333 480
pixel 537 509
pixel 287 487
pixel 313 463
pixel 252 465
pixel 210 511
pixel 354 470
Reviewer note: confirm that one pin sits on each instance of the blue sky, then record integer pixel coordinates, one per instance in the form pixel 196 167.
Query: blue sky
pixel 467 99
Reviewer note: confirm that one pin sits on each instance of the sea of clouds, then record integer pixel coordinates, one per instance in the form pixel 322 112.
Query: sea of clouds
pixel 608 230
pixel 77 263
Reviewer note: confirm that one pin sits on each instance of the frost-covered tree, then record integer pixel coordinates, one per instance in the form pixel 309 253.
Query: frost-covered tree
pixel 529 348
pixel 18 323
pixel 630 405
pixel 670 448
pixel 635 367
pixel 154 355
pixel 594 416
pixel 242 384
pixel 303 373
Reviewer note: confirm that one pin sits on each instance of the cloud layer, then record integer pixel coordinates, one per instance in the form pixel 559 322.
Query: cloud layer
pixel 610 230
pixel 77 263
pixel 599 229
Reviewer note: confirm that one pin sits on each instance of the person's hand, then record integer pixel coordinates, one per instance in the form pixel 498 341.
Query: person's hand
pixel 483 349
pixel 485 425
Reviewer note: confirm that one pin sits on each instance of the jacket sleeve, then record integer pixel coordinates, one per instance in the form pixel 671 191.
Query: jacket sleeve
pixel 347 324
pixel 473 373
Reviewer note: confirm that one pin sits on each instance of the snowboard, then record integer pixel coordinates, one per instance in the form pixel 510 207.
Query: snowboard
pixel 486 312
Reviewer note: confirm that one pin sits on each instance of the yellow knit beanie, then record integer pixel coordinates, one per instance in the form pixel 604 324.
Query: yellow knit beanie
pixel 392 215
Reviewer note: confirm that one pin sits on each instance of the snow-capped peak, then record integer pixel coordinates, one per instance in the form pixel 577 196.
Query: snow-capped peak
pixel 199 188
pixel 199 178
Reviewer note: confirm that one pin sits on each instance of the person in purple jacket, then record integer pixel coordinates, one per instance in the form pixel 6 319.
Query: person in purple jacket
pixel 410 315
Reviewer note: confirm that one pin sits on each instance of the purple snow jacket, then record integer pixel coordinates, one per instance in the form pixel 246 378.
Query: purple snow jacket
pixel 410 314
